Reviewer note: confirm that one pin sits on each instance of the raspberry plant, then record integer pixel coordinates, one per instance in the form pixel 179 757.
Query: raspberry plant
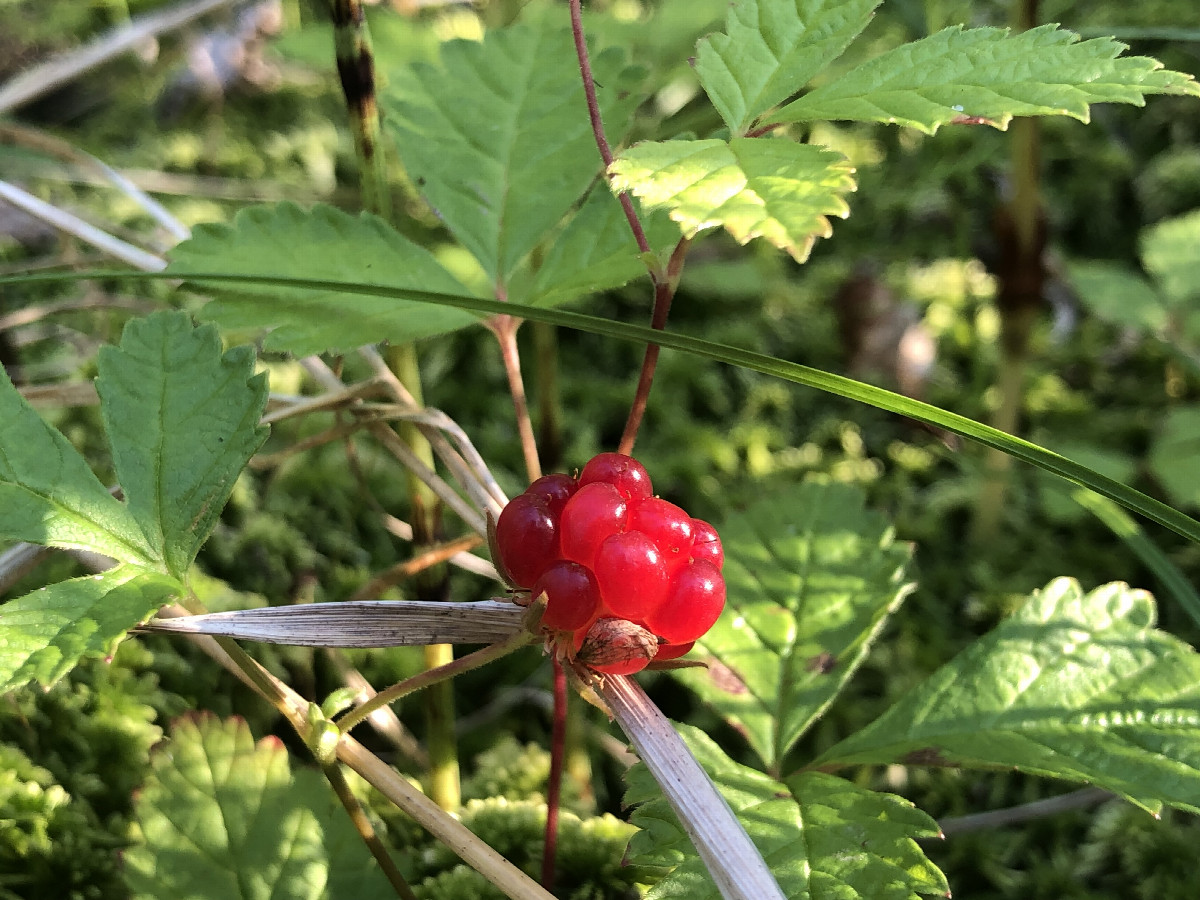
pixel 503 139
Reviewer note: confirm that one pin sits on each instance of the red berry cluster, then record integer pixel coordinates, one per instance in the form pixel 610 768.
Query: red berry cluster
pixel 602 547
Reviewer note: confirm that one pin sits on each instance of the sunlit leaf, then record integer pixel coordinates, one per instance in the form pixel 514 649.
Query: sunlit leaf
pixel 810 578
pixel 1171 251
pixel 753 187
pixel 498 139
pixel 323 244
pixel 1075 686
pixel 223 818
pixel 49 496
pixel 821 836
pixel 987 74
pixel 771 49
pixel 183 421
pixel 595 252
pixel 43 635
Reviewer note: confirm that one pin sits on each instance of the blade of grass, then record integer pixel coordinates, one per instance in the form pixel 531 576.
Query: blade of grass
pixel 1024 450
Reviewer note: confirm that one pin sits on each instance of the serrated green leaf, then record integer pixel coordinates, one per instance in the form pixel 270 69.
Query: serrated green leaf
pixel 753 187
pixel 498 139
pixel 222 817
pixel 810 578
pixel 1118 295
pixel 820 836
pixel 43 635
pixel 1175 455
pixel 987 74
pixel 1074 686
pixel 595 252
pixel 1171 252
pixel 770 49
pixel 183 419
pixel 325 244
pixel 49 496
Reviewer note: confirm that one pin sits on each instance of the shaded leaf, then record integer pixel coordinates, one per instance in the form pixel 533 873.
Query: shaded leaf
pixel 49 496
pixel 753 187
pixel 1119 295
pixel 1171 252
pixel 987 74
pixel 323 244
pixel 497 138
pixel 810 577
pixel 1175 455
pixel 595 252
pixel 821 836
pixel 1074 686
pixel 222 817
pixel 43 635
pixel 183 419
pixel 771 49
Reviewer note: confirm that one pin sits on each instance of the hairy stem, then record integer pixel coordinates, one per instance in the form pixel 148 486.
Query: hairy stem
pixel 433 676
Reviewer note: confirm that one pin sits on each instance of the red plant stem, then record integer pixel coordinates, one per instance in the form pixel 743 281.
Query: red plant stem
pixel 505 329
pixel 664 293
pixel 589 90
pixel 558 749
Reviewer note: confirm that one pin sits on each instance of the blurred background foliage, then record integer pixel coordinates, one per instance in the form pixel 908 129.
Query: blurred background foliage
pixel 915 252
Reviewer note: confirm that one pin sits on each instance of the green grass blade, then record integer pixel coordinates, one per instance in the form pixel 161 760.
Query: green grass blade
pixel 1026 451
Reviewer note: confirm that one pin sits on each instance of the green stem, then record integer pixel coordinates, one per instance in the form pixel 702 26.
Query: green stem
pixel 545 361
pixel 366 831
pixel 431 677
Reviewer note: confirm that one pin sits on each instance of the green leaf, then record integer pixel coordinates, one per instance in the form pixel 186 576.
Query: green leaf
pixel 819 835
pixel 43 635
pixel 323 244
pixel 1175 455
pixel 1074 686
pixel 754 187
pixel 49 496
pixel 498 138
pixel 1119 295
pixel 1171 252
pixel 810 578
pixel 595 252
pixel 183 422
pixel 222 817
pixel 987 74
pixel 771 49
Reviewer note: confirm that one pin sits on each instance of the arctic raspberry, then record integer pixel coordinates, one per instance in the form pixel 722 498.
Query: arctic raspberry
pixel 628 577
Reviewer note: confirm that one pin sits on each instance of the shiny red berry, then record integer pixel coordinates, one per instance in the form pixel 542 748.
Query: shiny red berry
pixel 672 651
pixel 706 544
pixel 572 596
pixel 632 575
pixel 667 525
pixel 595 512
pixel 555 489
pixel 692 605
pixel 527 538
pixel 625 473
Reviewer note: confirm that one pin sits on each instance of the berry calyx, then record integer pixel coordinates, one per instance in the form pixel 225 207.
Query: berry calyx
pixel 617 647
pixel 623 472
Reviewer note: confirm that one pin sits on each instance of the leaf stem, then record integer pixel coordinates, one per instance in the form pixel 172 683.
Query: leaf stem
pixel 664 293
pixel 433 676
pixel 589 91
pixel 505 330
